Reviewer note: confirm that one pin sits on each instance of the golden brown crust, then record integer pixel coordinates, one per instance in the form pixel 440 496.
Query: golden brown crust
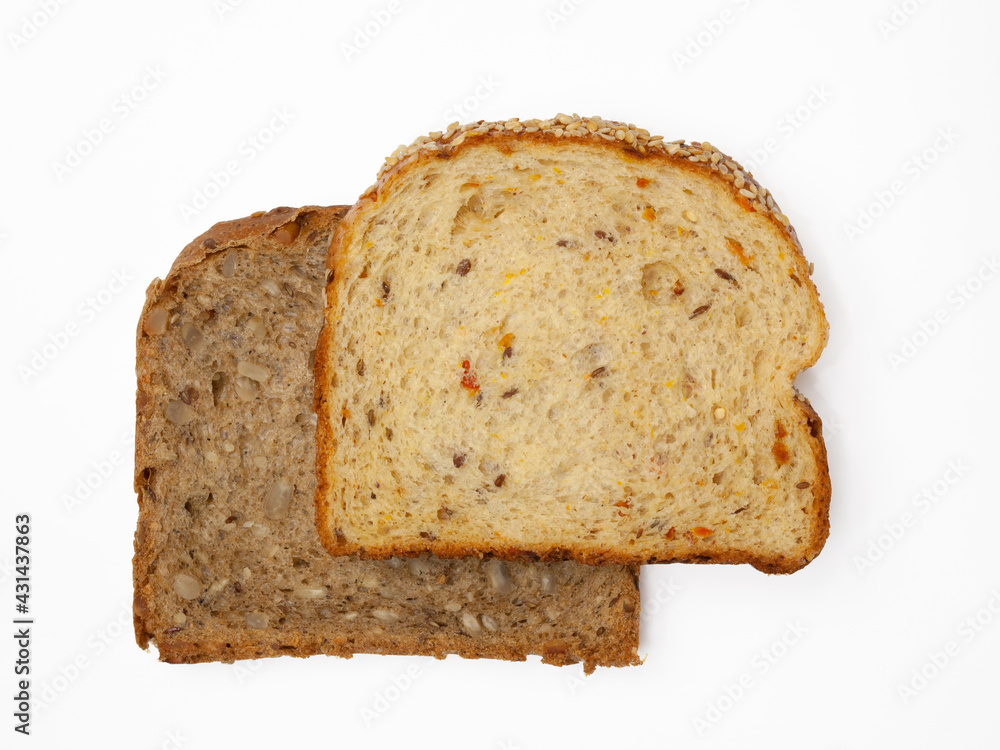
pixel 701 158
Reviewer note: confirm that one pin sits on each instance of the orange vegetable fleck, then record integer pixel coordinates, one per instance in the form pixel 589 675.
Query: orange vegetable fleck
pixel 780 452
pixel 649 214
pixel 737 249
pixel 378 303
pixel 642 182
pixel 506 341
pixel 701 532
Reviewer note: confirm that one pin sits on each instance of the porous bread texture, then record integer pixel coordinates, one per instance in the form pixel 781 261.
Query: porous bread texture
pixel 571 348
pixel 228 564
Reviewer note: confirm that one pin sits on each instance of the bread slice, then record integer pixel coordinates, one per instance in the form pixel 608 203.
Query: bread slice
pixel 228 564
pixel 570 339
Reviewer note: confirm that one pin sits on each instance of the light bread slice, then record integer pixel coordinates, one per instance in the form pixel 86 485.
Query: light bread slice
pixel 228 564
pixel 570 340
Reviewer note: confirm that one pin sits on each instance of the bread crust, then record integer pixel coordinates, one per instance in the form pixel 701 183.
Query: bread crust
pixel 696 158
pixel 177 645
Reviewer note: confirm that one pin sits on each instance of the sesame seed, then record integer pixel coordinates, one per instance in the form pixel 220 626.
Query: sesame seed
pixel 638 139
pixel 720 413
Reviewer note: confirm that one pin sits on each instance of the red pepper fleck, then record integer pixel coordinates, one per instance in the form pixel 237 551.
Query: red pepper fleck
pixel 469 381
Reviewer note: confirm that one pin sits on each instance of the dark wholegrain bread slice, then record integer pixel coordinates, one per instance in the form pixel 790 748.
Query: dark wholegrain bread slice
pixel 228 564
pixel 572 340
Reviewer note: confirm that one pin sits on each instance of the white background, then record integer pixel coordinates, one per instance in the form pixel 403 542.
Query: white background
pixel 853 99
